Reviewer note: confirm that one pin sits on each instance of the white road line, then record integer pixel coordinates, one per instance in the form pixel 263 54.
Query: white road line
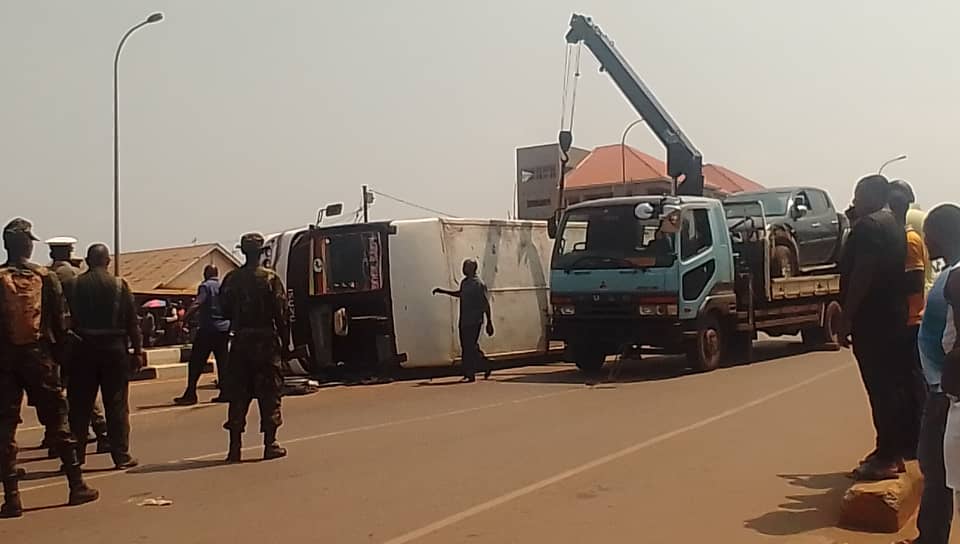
pixel 133 414
pixel 140 413
pixel 340 432
pixel 526 490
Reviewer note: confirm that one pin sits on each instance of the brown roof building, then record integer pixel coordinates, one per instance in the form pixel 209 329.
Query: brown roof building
pixel 175 271
pixel 612 170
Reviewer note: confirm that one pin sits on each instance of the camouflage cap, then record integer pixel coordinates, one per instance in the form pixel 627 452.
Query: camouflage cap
pixel 19 227
pixel 252 241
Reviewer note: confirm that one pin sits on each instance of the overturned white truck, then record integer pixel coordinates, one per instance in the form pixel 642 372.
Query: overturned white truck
pixel 361 293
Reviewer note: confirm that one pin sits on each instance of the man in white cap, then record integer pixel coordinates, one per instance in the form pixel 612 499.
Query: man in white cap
pixel 61 257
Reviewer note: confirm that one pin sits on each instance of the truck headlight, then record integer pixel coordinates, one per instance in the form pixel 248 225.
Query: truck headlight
pixel 567 310
pixel 658 310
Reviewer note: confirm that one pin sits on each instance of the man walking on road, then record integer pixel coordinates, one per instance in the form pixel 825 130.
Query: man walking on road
pixel 255 302
pixel 875 314
pixel 32 331
pixel 105 321
pixel 61 256
pixel 212 336
pixel 936 339
pixel 474 307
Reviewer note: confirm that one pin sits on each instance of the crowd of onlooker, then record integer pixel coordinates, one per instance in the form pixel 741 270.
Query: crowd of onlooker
pixel 898 317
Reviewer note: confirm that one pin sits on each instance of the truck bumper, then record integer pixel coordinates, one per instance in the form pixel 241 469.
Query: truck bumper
pixel 611 333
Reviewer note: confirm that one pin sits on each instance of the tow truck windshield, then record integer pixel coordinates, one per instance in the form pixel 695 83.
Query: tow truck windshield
pixel 611 237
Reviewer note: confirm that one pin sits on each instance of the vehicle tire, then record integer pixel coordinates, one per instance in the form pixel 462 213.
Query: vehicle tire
pixel 825 336
pixel 741 348
pixel 783 263
pixel 589 359
pixel 705 353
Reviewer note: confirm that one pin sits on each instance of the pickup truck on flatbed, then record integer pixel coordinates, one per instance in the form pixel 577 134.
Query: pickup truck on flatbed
pixel 806 230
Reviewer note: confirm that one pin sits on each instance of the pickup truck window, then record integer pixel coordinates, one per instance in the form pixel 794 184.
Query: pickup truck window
pixel 611 237
pixel 818 201
pixel 695 233
pixel 774 204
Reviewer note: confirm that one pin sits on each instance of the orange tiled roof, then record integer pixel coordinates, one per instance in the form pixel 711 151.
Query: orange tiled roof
pixel 149 271
pixel 605 165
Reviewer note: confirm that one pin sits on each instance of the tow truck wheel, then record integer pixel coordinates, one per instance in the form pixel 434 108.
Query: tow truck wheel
pixel 588 359
pixel 706 352
pixel 825 336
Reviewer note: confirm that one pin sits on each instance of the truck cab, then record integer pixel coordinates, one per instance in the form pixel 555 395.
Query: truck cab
pixel 642 271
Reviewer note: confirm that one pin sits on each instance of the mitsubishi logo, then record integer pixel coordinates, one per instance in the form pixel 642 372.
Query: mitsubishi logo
pixel 603 285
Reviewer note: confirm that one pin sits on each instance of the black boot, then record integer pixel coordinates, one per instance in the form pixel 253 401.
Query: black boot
pixel 189 398
pixel 234 453
pixel 80 493
pixel 271 449
pixel 12 507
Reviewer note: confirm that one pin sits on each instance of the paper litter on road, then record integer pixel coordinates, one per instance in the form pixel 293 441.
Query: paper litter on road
pixel 159 501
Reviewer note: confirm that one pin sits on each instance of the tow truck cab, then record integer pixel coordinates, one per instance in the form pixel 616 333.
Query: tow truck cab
pixel 639 271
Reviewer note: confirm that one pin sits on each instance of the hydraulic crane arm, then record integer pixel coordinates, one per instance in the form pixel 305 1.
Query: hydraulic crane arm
pixel 683 159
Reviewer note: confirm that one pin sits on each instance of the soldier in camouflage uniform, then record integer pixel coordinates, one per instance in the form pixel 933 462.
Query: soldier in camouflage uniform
pixel 28 345
pixel 254 300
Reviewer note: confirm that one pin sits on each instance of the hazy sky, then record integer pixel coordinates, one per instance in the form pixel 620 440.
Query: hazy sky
pixel 240 115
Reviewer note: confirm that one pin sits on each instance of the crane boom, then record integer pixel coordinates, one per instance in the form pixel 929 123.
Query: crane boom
pixel 683 159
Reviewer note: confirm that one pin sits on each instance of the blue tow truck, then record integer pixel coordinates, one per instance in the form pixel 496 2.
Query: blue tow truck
pixel 672 272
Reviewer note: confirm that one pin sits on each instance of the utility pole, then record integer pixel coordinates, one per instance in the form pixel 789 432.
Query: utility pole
pixel 366 205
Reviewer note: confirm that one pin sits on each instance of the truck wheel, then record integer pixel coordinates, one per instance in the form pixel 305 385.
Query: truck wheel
pixel 706 352
pixel 782 262
pixel 825 335
pixel 741 347
pixel 589 359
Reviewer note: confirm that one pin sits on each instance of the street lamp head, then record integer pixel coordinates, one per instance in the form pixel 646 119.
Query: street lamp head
pixel 155 18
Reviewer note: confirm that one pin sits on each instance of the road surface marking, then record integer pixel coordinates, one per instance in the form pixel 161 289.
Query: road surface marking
pixel 565 475
pixel 362 428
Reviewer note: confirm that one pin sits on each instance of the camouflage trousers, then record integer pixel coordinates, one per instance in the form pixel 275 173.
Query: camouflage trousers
pixel 254 373
pixel 32 369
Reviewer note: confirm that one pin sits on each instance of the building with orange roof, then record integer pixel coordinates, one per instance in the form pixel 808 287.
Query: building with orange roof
pixel 609 171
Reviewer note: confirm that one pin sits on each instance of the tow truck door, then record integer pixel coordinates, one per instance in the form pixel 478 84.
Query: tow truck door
pixel 698 259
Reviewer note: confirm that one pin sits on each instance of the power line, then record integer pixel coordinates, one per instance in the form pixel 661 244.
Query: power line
pixel 412 204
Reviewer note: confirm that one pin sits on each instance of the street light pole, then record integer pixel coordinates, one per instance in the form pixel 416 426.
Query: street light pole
pixel 154 18
pixel 898 158
pixel 623 153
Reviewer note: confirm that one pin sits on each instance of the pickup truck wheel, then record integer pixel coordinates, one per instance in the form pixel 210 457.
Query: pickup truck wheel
pixel 706 352
pixel 783 263
pixel 588 359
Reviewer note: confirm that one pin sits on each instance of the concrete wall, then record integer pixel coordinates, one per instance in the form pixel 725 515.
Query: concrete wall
pixel 192 277
pixel 538 174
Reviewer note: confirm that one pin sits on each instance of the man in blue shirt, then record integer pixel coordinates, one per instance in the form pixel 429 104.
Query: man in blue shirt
pixel 942 236
pixel 213 335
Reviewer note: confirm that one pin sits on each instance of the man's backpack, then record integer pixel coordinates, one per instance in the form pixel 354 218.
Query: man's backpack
pixel 21 302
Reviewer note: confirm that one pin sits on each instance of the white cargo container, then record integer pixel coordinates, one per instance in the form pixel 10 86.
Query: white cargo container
pixel 361 294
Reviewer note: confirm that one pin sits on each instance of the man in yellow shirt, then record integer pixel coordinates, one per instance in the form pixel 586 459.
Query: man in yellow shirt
pixel 915 269
pixel 915 219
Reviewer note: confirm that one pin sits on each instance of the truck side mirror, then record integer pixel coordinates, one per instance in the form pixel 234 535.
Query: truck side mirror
pixel 333 210
pixel 800 208
pixel 552 227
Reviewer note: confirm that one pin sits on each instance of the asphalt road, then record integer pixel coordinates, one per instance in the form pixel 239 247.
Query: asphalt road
pixel 754 453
